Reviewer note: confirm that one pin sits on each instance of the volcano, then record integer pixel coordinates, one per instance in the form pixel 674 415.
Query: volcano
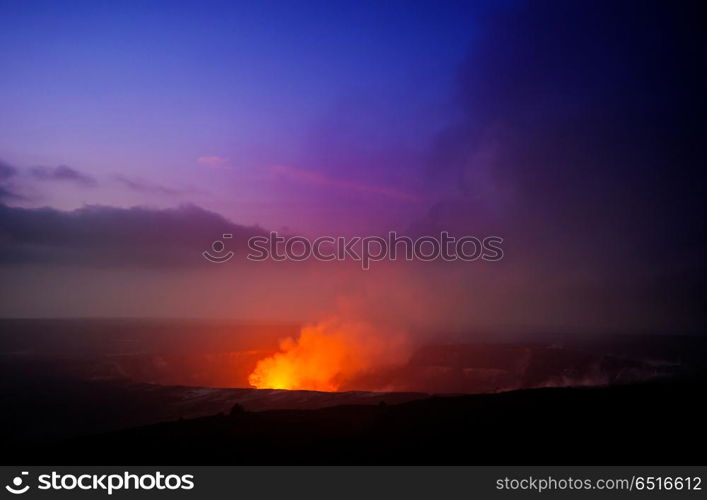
pixel 88 392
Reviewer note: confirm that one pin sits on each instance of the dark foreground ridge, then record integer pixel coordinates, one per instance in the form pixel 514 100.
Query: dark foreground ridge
pixel 647 423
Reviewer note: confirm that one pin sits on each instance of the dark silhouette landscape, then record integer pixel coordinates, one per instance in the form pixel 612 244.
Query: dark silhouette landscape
pixel 614 399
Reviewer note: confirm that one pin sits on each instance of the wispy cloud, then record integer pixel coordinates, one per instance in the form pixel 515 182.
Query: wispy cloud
pixel 6 171
pixel 314 178
pixel 112 236
pixel 7 189
pixel 214 161
pixel 62 173
pixel 146 187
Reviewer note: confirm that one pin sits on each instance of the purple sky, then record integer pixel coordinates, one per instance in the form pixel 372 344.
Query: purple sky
pixel 574 130
pixel 203 102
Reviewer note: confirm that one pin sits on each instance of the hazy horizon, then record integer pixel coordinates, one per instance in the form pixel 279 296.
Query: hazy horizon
pixel 132 137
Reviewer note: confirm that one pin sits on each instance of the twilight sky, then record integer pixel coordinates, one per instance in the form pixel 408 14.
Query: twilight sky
pixel 574 130
pixel 273 113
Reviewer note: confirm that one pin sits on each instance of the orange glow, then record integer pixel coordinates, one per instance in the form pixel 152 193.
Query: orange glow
pixel 324 357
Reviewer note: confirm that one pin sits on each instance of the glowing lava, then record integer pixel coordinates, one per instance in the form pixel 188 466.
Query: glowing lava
pixel 324 357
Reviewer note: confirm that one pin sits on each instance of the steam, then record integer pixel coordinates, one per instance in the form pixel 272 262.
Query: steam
pixel 329 354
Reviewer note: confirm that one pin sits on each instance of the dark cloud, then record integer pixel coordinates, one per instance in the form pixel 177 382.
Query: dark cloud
pixel 101 235
pixel 7 194
pixel 7 189
pixel 581 103
pixel 582 142
pixel 62 173
pixel 145 187
pixel 6 171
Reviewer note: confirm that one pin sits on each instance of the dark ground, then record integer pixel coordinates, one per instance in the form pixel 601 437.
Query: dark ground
pixel 626 400
pixel 660 422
